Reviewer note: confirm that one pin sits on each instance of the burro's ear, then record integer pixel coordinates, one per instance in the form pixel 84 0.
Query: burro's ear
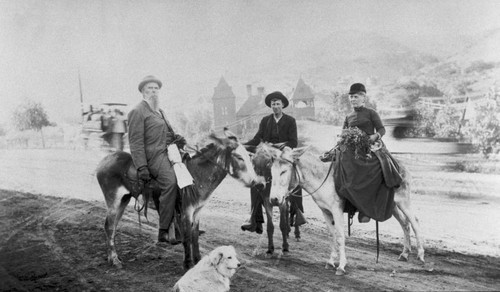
pixel 268 149
pixel 215 138
pixel 250 148
pixel 297 152
pixel 223 142
pixel 229 134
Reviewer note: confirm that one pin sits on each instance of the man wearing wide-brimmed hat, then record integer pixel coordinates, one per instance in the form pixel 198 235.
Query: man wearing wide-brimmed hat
pixel 149 135
pixel 275 128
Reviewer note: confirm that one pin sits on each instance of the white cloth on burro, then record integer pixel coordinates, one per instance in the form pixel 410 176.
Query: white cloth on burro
pixel 182 174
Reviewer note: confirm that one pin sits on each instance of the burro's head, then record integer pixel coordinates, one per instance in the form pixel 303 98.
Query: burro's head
pixel 236 160
pixel 285 174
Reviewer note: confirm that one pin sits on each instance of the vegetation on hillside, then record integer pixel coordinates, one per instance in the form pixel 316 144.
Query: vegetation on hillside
pixel 338 108
pixel 484 130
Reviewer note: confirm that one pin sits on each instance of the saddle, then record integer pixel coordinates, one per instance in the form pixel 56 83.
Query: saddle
pixel 147 194
pixel 143 192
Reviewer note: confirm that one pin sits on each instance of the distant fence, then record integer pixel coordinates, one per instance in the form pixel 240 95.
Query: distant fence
pixel 68 137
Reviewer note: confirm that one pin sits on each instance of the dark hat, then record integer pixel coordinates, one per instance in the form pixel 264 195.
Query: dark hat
pixel 357 87
pixel 276 95
pixel 147 79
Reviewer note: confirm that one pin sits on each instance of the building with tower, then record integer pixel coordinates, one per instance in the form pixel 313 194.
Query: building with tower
pixel 246 120
pixel 224 103
pixel 302 101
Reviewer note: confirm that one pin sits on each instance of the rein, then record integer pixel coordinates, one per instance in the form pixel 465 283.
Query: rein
pixel 198 152
pixel 298 174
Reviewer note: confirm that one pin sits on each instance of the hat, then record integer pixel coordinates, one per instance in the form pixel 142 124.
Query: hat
pixel 147 79
pixel 357 87
pixel 276 95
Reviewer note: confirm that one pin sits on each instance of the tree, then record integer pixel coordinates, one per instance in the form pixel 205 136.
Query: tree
pixel 484 129
pixel 339 108
pixel 194 125
pixel 447 122
pixel 412 91
pixel 31 116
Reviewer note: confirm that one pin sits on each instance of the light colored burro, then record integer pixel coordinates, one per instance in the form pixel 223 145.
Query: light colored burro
pixel 300 166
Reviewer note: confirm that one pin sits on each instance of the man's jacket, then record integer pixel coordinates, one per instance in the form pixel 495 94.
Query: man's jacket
pixel 287 131
pixel 149 134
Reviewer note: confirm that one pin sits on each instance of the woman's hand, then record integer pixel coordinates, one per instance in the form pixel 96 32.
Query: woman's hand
pixel 374 137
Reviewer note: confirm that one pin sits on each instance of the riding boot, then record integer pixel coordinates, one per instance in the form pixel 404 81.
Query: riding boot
pixel 254 223
pixel 299 218
pixel 362 218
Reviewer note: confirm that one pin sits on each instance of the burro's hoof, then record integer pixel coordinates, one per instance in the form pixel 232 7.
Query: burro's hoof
pixel 116 262
pixel 332 265
pixel 403 257
pixel 340 272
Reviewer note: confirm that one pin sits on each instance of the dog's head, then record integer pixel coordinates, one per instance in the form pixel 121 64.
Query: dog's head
pixel 224 260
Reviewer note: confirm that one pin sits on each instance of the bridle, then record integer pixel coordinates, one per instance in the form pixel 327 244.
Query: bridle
pixel 227 168
pixel 298 175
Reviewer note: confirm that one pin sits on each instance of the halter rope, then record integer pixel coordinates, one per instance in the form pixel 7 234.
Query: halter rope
pixel 210 160
pixel 298 174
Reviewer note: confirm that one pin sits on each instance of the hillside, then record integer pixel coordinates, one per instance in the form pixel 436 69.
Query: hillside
pixel 476 66
pixel 341 58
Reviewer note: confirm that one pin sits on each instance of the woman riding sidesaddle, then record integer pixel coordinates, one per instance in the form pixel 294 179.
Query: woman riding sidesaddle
pixel 367 181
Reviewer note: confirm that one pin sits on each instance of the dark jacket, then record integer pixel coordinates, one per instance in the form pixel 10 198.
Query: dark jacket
pixel 287 131
pixel 149 134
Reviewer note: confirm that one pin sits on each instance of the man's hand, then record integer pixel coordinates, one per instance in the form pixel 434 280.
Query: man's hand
pixel 144 174
pixel 179 141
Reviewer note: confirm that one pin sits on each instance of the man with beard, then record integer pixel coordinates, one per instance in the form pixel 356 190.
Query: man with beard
pixel 149 135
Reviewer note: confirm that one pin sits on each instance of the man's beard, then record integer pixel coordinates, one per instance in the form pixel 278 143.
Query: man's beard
pixel 154 101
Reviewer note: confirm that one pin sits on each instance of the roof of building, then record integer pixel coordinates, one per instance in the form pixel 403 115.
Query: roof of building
pixel 302 91
pixel 251 105
pixel 223 90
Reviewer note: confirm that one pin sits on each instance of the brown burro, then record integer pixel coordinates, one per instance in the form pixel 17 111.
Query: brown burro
pixel 208 167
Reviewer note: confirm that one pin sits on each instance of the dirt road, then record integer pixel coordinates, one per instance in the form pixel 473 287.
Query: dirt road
pixel 57 243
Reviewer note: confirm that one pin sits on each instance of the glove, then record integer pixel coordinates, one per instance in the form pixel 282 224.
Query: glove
pixel 144 174
pixel 279 146
pixel 179 141
pixel 328 156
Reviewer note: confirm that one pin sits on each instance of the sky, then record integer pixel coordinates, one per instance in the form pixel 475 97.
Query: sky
pixel 46 45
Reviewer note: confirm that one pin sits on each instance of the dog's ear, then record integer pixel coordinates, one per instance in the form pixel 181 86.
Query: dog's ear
pixel 215 257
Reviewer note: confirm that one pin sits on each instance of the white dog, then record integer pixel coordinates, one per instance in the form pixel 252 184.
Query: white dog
pixel 212 273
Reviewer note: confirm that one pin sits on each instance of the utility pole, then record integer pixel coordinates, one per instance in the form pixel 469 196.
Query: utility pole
pixel 81 95
pixel 463 116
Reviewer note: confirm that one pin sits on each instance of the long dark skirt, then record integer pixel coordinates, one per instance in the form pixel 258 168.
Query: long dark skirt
pixel 361 181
